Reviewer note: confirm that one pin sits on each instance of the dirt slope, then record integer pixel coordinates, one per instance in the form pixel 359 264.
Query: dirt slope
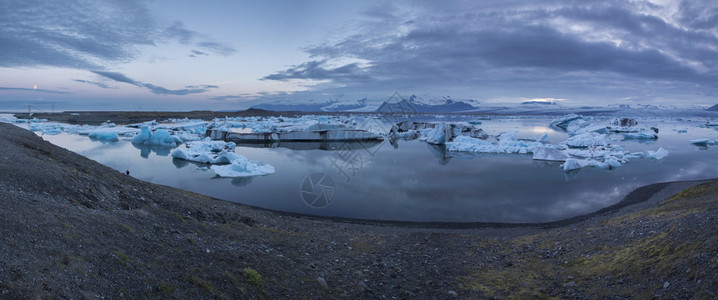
pixel 70 227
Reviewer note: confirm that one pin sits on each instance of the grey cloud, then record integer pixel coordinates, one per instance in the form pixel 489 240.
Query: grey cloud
pixel 116 76
pixel 196 53
pixel 204 86
pixel 185 36
pixel 100 84
pixel 315 70
pixel 33 90
pixel 520 47
pixel 85 34
pixel 231 97
pixel 72 34
pixel 218 48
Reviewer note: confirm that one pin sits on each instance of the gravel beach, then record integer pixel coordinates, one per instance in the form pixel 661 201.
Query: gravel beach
pixel 73 228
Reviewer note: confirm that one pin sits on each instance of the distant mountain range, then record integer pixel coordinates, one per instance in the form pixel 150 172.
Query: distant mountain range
pixel 412 106
pixel 331 105
pixel 398 104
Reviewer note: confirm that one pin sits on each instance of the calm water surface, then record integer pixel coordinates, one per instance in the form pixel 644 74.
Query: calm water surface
pixel 414 181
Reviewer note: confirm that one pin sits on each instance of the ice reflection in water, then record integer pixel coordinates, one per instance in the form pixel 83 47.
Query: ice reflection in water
pixel 414 181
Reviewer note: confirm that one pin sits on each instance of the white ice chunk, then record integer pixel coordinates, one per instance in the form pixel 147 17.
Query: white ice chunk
pixel 562 122
pixel 543 138
pixel 573 164
pixel 161 138
pixel 207 151
pixel 576 126
pixel 658 154
pixel 242 167
pixel 585 140
pixel 439 134
pixel 549 153
pixel 642 135
pixel 506 144
pixel 704 142
pixel 105 135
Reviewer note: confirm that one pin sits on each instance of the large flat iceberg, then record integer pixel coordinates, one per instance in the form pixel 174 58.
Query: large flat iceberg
pixel 507 144
pixel 586 140
pixel 242 167
pixel 220 152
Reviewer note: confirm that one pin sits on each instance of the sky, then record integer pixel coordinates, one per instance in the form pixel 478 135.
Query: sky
pixel 229 55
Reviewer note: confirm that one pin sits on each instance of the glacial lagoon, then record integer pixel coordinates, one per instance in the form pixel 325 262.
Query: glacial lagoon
pixel 411 180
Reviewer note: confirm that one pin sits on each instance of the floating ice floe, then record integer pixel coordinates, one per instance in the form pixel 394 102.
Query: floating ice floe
pixel 507 144
pixel 33 120
pixel 242 167
pixel 564 121
pixel 543 138
pixel 160 137
pixel 575 124
pixel 439 135
pixel 47 128
pixel 704 142
pixel 586 140
pixel 606 163
pixel 658 154
pixel 105 135
pixel 220 152
pixel 442 133
pixel 642 135
pixel 207 151
pixel 549 154
pixel 8 118
pixel 302 129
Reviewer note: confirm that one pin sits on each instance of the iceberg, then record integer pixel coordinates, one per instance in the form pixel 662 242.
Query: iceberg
pixel 507 144
pixel 207 151
pixel 105 135
pixel 704 142
pixel 439 135
pixel 607 163
pixel 543 138
pixel 549 154
pixel 563 122
pixel 161 137
pixel 46 128
pixel 641 135
pixel 586 140
pixel 242 167
pixel 658 154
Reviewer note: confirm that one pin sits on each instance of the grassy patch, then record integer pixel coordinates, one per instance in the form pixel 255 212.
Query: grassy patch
pixel 128 227
pixel 166 288
pixel 688 193
pixel 122 256
pixel 253 276
pixel 209 287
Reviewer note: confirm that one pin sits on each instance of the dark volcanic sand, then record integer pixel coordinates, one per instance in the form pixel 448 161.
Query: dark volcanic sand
pixel 74 228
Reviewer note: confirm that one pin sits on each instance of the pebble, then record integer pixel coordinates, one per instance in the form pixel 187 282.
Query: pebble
pixel 666 285
pixel 322 282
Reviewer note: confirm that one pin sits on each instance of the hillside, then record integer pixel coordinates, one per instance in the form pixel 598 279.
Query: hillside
pixel 73 228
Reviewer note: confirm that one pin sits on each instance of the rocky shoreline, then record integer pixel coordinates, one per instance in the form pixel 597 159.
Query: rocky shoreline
pixel 72 228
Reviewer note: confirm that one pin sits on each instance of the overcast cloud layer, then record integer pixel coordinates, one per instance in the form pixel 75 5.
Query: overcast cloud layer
pixel 620 47
pixel 583 51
